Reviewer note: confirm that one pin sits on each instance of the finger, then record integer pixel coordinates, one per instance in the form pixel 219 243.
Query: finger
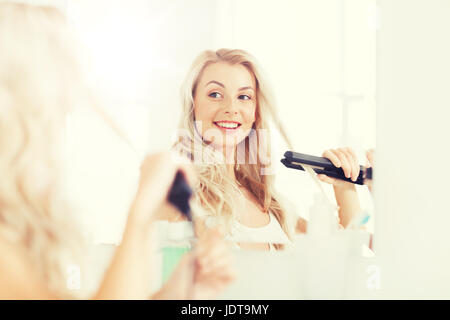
pixel 348 160
pixel 213 250
pixel 219 274
pixel 214 268
pixel 354 162
pixel 212 256
pixel 189 173
pixel 222 271
pixel 352 152
pixel 351 162
pixel 345 163
pixel 218 263
pixel 156 177
pixel 368 183
pixel 369 155
pixel 332 157
pixel 163 166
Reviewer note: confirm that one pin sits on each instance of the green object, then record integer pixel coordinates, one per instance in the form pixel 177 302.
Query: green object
pixel 171 257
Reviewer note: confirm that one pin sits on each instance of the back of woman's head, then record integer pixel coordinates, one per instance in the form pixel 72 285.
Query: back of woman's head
pixel 39 80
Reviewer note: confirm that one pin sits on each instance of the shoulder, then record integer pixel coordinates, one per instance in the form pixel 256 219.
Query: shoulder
pixel 301 225
pixel 18 278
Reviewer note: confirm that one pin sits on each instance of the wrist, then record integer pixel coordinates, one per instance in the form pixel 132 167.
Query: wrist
pixel 139 222
pixel 344 186
pixel 142 209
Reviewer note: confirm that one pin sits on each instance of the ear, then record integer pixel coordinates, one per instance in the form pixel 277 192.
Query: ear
pixel 257 112
pixel 193 111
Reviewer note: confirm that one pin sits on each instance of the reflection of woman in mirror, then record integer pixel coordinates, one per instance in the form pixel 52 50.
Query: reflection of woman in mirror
pixel 227 107
pixel 40 81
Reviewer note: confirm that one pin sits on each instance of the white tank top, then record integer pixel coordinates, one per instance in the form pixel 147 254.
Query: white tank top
pixel 271 233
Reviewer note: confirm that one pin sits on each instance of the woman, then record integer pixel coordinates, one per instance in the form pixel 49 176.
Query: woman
pixel 227 108
pixel 40 81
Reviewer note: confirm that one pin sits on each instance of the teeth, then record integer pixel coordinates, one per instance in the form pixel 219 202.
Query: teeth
pixel 227 125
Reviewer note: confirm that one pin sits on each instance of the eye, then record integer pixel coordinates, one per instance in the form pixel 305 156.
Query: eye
pixel 215 95
pixel 244 97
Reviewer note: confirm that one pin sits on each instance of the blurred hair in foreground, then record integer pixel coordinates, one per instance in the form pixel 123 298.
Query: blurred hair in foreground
pixel 40 81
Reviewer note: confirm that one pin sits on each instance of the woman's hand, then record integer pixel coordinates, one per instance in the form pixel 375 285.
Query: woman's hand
pixel 157 175
pixel 345 192
pixel 346 159
pixel 130 271
pixel 369 155
pixel 203 273
pixel 369 164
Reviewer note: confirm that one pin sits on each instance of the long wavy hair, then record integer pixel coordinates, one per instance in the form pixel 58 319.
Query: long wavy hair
pixel 217 195
pixel 39 81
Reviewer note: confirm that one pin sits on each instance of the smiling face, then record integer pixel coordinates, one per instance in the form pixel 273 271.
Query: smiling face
pixel 225 103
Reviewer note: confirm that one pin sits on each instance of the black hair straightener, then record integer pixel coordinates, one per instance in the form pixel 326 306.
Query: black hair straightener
pixel 324 166
pixel 179 195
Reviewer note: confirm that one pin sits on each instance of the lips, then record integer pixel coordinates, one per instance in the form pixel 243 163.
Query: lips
pixel 227 125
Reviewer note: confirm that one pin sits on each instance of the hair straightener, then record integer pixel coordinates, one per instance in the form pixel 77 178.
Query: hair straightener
pixel 179 195
pixel 324 166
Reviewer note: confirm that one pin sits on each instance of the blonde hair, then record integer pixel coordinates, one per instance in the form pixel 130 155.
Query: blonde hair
pixel 39 81
pixel 216 193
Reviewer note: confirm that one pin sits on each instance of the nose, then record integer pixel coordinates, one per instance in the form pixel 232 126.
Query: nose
pixel 230 107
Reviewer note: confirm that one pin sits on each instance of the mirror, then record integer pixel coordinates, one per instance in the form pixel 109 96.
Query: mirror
pixel 319 58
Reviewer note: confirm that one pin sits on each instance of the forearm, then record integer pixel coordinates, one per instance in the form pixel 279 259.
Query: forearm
pixel 348 202
pixel 301 225
pixel 165 293
pixel 129 273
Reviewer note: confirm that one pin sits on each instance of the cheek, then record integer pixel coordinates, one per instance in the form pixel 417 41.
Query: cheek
pixel 203 116
pixel 203 111
pixel 249 115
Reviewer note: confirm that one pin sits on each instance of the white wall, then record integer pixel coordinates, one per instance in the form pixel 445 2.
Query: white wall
pixel 411 189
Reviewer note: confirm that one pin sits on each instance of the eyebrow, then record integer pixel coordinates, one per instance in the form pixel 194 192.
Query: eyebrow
pixel 222 85
pixel 216 82
pixel 245 88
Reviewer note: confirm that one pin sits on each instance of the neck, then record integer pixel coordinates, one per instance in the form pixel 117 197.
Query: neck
pixel 230 171
pixel 229 161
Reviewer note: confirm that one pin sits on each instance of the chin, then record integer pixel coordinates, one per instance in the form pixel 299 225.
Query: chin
pixel 223 145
